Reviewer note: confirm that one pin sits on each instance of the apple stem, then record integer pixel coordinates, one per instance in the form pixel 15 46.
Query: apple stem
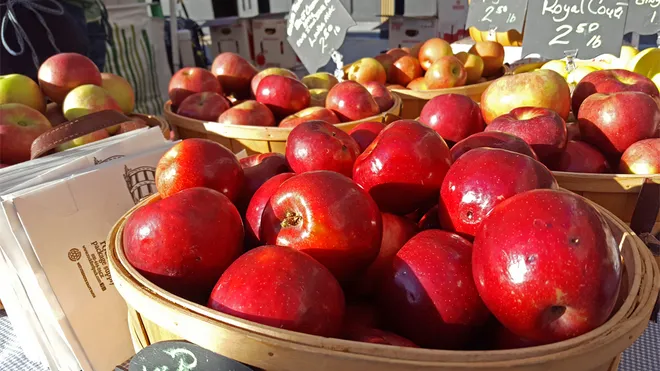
pixel 291 220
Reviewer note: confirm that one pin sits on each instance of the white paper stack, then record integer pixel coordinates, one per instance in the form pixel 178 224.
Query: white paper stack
pixel 55 214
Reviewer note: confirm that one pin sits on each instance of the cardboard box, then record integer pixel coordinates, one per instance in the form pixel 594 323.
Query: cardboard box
pixel 452 15
pixel 253 8
pixel 231 34
pixel 411 21
pixel 271 48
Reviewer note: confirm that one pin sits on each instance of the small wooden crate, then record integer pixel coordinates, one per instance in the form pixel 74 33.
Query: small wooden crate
pixel 156 315
pixel 255 139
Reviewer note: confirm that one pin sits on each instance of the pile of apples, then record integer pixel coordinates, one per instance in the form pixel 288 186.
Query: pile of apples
pixel 76 88
pixel 382 236
pixel 234 92
pixel 430 65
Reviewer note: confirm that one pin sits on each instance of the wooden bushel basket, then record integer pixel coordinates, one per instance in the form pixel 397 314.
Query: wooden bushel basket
pixel 156 315
pixel 255 139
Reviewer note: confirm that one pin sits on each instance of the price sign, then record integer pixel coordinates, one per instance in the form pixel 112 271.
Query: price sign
pixel 497 15
pixel 590 27
pixel 182 356
pixel 316 29
pixel 643 17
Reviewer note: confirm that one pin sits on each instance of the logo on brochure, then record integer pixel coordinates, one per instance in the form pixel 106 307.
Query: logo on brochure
pixel 74 254
pixel 140 182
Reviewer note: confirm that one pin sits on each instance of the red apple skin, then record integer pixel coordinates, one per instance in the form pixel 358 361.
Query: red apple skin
pixel 317 145
pixel 254 84
pixel 432 50
pixel 430 220
pixel 611 81
pixel 361 314
pixel 257 170
pixel 418 84
pixel 386 60
pixel 190 80
pixel 555 250
pixel 397 230
pixel 383 97
pixel 446 72
pixel 3 165
pixel 63 72
pixel 573 130
pixel 283 95
pixel 505 339
pixel 404 167
pixel 376 336
pixel 453 116
pixel 135 124
pixel 351 101
pixel 55 115
pixel 492 139
pixel 201 217
pixel 303 212
pixel 404 70
pixel 543 129
pixel 642 157
pixel 365 133
pixel 206 106
pixel 397 53
pixel 309 114
pixel 422 301
pixel 255 209
pixel 281 287
pixel 483 178
pixel 250 113
pixel 580 157
pixel 234 74
pixel 198 162
pixel 613 122
pixel 20 125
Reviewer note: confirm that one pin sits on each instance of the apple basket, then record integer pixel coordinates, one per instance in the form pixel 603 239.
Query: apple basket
pixel 156 315
pixel 256 139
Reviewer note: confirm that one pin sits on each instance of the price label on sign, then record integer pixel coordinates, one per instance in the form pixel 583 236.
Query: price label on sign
pixel 590 27
pixel 316 29
pixel 182 356
pixel 497 15
pixel 643 17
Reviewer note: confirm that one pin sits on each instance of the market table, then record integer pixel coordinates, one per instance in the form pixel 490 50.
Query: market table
pixel 643 355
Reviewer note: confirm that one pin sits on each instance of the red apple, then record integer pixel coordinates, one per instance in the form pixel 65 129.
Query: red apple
pixel 505 339
pixel 543 129
pixel 386 60
pixel 20 125
pixel 317 145
pixel 397 53
pixel 309 114
pixel 418 84
pixel 283 95
pixel 63 72
pixel 234 74
pixel 432 50
pixel 198 162
pixel 365 70
pixel 254 84
pixel 642 157
pixel 404 167
pixel 327 216
pixel 404 70
pixel 55 115
pixel 397 230
pixel 255 209
pixel 430 291
pixel 134 124
pixel 190 80
pixel 613 122
pixel 206 106
pixel 365 133
pixel 3 165
pixel 360 315
pixel 376 336
pixel 317 97
pixel 492 139
pixel 573 130
pixel 611 81
pixel 351 101
pixel 480 180
pixel 183 243
pixel 257 170
pixel 430 220
pixel 446 72
pixel 556 251
pixel 383 97
pixel 580 157
pixel 453 116
pixel 249 112
pixel 283 288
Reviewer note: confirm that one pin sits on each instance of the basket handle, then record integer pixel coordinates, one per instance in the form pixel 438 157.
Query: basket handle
pixel 643 220
pixel 67 131
pixel 389 118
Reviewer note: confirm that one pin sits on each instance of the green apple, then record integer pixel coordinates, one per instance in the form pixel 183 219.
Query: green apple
pixel 120 90
pixel 21 89
pixel 556 65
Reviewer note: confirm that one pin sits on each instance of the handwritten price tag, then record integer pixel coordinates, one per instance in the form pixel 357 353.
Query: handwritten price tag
pixel 182 356
pixel 643 17
pixel 497 15
pixel 592 27
pixel 316 29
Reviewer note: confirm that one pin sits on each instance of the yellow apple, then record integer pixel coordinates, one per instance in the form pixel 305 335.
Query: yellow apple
pixel 627 53
pixel 120 90
pixel 21 89
pixel 473 64
pixel 558 66
pixel 579 73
